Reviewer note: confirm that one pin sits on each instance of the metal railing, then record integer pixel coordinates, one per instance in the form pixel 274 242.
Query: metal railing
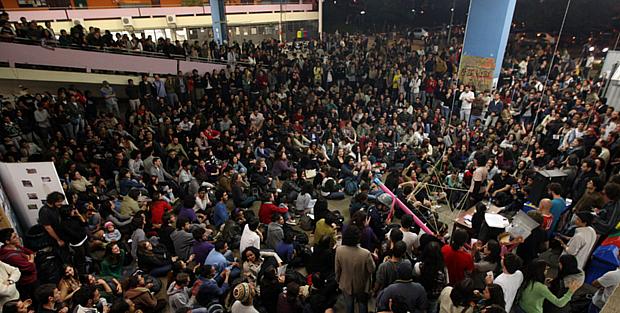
pixel 122 51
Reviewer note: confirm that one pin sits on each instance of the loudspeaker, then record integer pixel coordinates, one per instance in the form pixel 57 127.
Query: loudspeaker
pixel 542 178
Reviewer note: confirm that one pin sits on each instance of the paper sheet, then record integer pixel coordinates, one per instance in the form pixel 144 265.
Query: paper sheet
pixel 496 220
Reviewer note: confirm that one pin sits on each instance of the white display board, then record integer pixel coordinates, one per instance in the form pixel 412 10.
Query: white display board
pixel 27 186
pixel 7 215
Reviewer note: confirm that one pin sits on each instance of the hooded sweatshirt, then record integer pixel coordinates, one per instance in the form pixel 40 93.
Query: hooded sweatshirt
pixel 143 299
pixel 178 297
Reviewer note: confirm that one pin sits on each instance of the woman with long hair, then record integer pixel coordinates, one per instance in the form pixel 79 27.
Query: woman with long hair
pixel 568 271
pixel 431 273
pixel 534 291
pixel 490 261
pixel 493 294
pixel 153 259
pixel 69 283
pixel 254 260
pixel 113 259
pixel 458 299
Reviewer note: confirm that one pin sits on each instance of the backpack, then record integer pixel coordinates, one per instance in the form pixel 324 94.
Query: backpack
pixel 49 266
pixel 350 187
pixel 306 223
pixel 215 307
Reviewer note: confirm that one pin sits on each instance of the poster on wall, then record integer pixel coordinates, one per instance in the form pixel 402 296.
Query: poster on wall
pixel 27 186
pixel 477 72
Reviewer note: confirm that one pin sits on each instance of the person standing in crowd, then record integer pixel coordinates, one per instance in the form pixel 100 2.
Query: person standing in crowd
pixel 404 287
pixel 458 260
pixel 354 270
pixel 510 279
pixel 49 216
pixel 133 93
pixel 558 204
pixel 109 96
pixel 535 292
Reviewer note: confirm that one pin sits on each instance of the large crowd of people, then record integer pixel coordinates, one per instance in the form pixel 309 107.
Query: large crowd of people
pixel 93 38
pixel 208 192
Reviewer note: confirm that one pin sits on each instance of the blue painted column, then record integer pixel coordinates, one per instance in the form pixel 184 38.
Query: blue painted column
pixel 486 35
pixel 218 16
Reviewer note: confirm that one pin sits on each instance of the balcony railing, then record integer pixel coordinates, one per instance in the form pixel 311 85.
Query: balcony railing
pixel 108 60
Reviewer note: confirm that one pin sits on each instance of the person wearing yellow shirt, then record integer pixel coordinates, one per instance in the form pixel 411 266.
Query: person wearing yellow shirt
pixel 325 227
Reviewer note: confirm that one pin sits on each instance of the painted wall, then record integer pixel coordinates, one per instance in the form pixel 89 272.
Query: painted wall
pixel 90 60
pixel 11 77
pixel 488 27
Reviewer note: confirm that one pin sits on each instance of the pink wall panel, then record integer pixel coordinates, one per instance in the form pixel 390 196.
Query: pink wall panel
pixel 102 13
pixel 38 15
pixel 171 10
pixel 26 54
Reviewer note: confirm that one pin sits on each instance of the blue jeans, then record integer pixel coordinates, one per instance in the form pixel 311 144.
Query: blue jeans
pixel 433 306
pixel 161 271
pixel 593 308
pixel 361 299
pixel 247 202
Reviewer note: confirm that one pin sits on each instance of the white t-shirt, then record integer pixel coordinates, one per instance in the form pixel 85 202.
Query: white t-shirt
pixel 238 307
pixel 249 239
pixel 480 175
pixel 409 238
pixel 467 97
pixel 581 245
pixel 510 284
pixel 609 281
pixel 447 306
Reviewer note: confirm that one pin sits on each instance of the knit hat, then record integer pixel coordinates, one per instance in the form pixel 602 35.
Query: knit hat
pixel 243 292
pixel 108 224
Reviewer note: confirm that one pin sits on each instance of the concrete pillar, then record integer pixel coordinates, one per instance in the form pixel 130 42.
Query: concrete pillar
pixel 218 16
pixel 486 35
pixel 320 19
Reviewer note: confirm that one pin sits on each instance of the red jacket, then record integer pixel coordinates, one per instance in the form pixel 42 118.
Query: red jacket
pixel 457 262
pixel 19 259
pixel 267 209
pixel 158 208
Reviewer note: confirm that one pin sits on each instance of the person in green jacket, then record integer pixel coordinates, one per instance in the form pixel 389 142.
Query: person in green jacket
pixel 534 291
pixel 112 264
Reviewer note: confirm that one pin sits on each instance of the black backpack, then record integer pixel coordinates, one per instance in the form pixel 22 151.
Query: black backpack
pixel 49 266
